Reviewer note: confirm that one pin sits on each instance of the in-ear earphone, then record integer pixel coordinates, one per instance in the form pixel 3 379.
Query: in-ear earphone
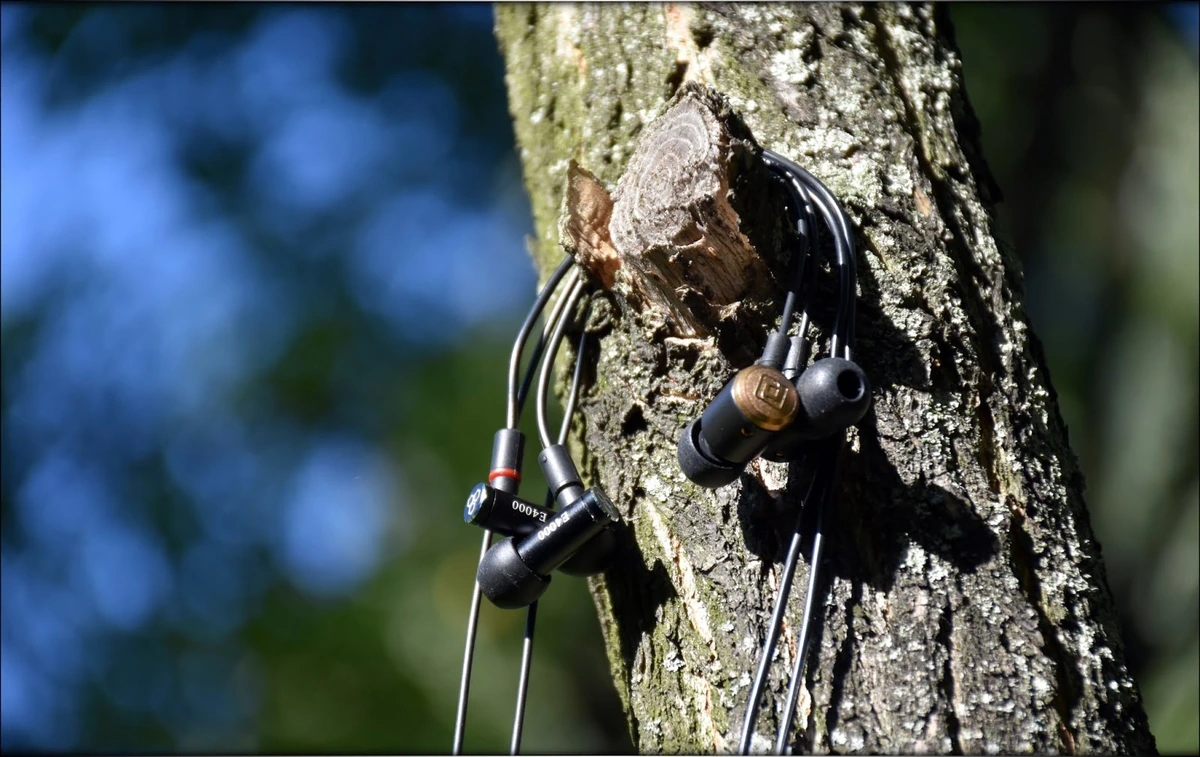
pixel 772 407
pixel 784 411
pixel 834 393
pixel 515 572
pixel 508 446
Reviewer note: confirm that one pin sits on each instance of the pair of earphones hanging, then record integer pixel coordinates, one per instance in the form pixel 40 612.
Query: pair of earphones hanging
pixel 775 406
pixel 575 539
pixel 783 411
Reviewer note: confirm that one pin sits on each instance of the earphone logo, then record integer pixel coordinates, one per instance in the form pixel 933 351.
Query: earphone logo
pixel 475 500
pixel 771 391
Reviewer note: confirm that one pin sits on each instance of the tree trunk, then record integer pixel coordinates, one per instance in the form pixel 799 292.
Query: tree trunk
pixel 965 606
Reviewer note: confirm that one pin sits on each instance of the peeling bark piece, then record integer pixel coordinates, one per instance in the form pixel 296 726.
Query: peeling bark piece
pixel 583 225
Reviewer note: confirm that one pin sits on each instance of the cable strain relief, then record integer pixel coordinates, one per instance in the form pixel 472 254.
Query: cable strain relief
pixel 560 472
pixel 508 448
pixel 775 350
pixel 797 356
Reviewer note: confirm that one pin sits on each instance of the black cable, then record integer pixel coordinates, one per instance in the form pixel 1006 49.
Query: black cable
pixel 531 615
pixel 775 626
pixel 814 572
pixel 814 230
pixel 516 402
pixel 535 358
pixel 569 301
pixel 573 394
pixel 514 360
pixel 531 369
pixel 804 228
pixel 464 686
pixel 523 678
pixel 843 242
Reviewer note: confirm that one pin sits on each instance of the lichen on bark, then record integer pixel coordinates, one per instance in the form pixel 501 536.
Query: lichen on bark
pixel 966 606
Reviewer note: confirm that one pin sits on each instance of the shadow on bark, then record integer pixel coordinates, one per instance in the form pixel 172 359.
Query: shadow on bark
pixel 869 544
pixel 628 580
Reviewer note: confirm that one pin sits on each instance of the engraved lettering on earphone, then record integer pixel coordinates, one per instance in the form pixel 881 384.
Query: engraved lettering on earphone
pixel 554 525
pixel 525 509
pixel 771 391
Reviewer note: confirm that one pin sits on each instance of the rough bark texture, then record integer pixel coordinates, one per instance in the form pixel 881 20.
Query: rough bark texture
pixel 966 607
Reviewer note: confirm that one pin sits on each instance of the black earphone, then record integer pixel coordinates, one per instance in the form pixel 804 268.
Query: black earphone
pixel 516 571
pixel 763 410
pixel 783 411
pixel 575 539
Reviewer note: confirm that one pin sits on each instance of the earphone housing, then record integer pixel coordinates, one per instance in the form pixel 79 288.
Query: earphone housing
pixel 491 508
pixel 834 394
pixel 737 425
pixel 488 507
pixel 515 572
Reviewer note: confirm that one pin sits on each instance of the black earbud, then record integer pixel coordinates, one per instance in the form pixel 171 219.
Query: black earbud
pixel 737 426
pixel 498 511
pixel 834 393
pixel 577 539
pixel 516 571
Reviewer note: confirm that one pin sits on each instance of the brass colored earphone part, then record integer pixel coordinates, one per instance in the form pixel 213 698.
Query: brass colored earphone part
pixel 765 397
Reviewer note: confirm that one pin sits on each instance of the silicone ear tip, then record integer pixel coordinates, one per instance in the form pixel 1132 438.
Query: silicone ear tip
pixel 593 557
pixel 700 468
pixel 834 394
pixel 505 579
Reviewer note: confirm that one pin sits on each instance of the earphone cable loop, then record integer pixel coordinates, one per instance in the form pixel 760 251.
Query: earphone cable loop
pixel 531 614
pixel 569 302
pixel 844 250
pixel 514 360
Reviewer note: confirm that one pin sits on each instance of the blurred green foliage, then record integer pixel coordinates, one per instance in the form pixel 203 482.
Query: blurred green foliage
pixel 1090 124
pixel 1089 120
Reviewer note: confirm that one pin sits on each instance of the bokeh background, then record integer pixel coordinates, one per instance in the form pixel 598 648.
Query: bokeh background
pixel 260 266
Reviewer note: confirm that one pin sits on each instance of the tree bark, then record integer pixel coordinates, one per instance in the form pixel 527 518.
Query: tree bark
pixel 965 607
